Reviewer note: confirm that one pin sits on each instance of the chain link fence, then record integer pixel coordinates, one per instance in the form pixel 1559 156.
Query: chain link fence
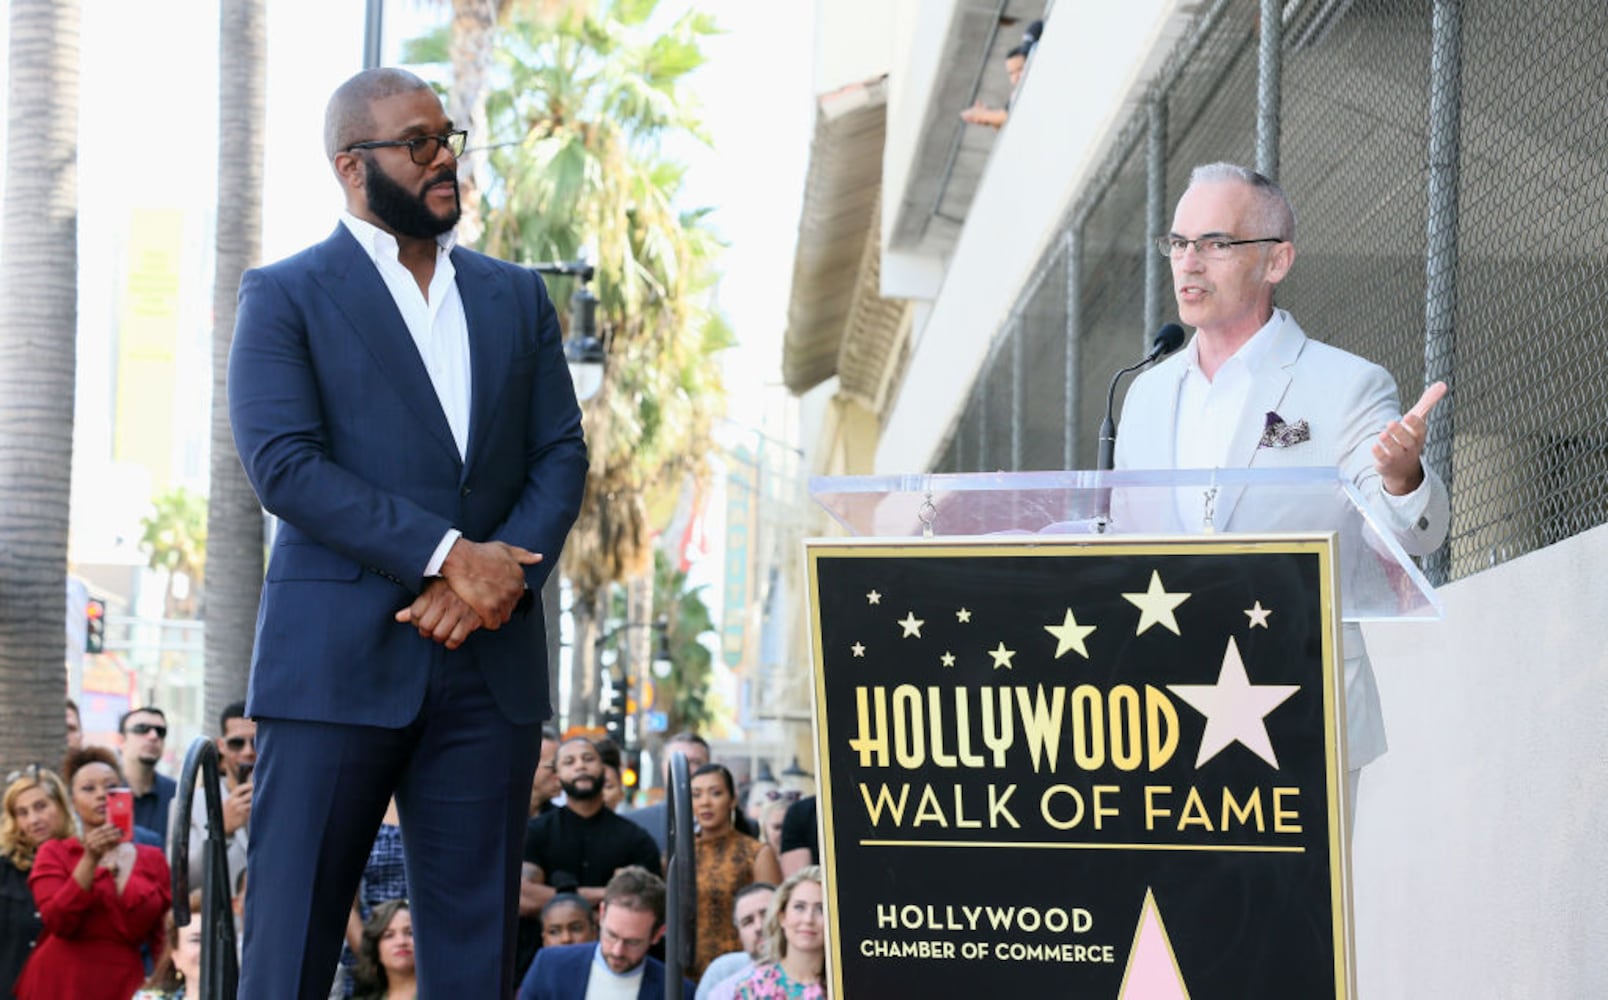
pixel 1448 162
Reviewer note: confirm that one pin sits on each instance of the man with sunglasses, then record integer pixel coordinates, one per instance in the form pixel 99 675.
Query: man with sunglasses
pixel 237 755
pixel 401 404
pixel 1250 390
pixel 141 736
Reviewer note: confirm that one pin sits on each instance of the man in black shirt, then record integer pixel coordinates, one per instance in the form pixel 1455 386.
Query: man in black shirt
pixel 578 848
pixel 800 842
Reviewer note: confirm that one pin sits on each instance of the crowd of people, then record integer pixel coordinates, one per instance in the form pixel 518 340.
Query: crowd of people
pixel 86 908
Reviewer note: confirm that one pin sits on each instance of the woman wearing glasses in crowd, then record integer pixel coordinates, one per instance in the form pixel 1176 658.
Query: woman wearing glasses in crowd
pixel 35 811
pixel 385 959
pixel 727 861
pixel 795 943
pixel 100 897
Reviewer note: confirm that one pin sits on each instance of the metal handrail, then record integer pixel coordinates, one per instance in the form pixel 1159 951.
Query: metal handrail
pixel 220 966
pixel 681 878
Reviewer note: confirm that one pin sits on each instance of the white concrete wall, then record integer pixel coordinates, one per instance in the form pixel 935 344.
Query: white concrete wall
pixel 1076 94
pixel 1480 861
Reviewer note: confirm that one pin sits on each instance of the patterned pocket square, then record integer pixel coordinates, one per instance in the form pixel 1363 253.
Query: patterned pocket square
pixel 1278 434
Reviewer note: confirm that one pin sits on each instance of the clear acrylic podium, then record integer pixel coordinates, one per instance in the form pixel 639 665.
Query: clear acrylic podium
pixel 1379 581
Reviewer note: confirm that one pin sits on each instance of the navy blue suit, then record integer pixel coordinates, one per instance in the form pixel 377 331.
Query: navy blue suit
pixel 343 438
pixel 562 972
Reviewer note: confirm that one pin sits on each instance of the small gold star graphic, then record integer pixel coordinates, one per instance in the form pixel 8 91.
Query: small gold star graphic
pixel 1156 606
pixel 859 649
pixel 873 598
pixel 911 625
pixel 1258 615
pixel 948 659
pixel 963 616
pixel 1002 656
pixel 1069 636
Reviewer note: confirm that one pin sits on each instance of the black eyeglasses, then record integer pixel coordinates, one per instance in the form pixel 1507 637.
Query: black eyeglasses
pixel 239 743
pixel 141 728
pixel 1208 247
pixel 422 148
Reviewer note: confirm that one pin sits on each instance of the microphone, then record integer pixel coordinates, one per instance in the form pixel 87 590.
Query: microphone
pixel 1167 340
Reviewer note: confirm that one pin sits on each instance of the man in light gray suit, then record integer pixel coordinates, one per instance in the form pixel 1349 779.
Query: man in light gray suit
pixel 1251 391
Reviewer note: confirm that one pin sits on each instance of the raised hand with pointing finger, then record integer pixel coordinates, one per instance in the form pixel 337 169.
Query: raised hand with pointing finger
pixel 1400 445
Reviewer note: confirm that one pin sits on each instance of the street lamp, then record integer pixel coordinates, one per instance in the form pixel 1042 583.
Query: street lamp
pixel 583 351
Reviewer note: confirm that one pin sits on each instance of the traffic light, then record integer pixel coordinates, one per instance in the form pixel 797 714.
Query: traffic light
pixel 615 714
pixel 95 626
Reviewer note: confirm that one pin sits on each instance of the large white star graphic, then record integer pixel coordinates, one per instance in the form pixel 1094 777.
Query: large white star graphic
pixel 911 625
pixel 1070 635
pixel 1156 606
pixel 1234 709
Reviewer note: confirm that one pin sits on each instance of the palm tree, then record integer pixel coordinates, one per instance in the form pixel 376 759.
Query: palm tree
pixel 588 95
pixel 470 44
pixel 174 539
pixel 38 341
pixel 235 520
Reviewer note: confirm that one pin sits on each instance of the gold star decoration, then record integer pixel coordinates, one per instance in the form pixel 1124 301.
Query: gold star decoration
pixel 963 616
pixel 1002 656
pixel 1069 636
pixel 1258 615
pixel 911 625
pixel 858 649
pixel 1156 606
pixel 873 598
pixel 948 659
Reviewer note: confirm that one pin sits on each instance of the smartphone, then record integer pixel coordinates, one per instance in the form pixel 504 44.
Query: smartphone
pixel 243 773
pixel 120 811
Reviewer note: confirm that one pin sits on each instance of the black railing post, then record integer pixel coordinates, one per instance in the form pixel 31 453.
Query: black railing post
pixel 220 967
pixel 681 878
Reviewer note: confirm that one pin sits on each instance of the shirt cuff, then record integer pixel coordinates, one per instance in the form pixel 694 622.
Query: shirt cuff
pixel 439 556
pixel 1406 509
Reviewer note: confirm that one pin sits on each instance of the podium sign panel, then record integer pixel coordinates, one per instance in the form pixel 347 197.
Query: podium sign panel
pixel 1093 767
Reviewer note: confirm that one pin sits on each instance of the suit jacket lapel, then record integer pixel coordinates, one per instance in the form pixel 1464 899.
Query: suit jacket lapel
pixel 1271 381
pixel 355 286
pixel 481 289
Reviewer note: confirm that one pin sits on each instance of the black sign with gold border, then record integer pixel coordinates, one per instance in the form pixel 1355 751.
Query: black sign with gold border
pixel 1105 768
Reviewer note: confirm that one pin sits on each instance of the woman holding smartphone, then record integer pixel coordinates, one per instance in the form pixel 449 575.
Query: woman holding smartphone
pixel 99 895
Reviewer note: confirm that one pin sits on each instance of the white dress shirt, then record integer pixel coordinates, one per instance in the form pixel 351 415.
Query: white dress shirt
pixel 439 328
pixel 606 984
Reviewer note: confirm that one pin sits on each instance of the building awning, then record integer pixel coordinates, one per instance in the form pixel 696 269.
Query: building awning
pixel 835 267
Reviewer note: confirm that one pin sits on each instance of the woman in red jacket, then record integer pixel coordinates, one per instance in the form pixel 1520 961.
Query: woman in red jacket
pixel 100 898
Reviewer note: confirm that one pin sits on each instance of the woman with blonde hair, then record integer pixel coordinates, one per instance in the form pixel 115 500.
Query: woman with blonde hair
pixel 100 896
pixel 795 943
pixel 36 810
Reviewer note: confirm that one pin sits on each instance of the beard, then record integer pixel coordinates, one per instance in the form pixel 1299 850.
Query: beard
pixel 584 788
pixel 403 211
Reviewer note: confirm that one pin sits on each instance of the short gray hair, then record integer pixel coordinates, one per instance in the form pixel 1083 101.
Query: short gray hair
pixel 1274 210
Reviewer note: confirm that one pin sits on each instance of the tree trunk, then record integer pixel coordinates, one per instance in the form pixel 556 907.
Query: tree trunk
pixel 38 358
pixel 474 25
pixel 234 517
pixel 589 614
